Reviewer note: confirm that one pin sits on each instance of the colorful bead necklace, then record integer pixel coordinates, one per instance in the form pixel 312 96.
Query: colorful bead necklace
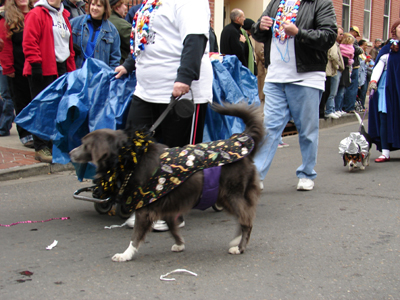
pixel 141 26
pixel 285 15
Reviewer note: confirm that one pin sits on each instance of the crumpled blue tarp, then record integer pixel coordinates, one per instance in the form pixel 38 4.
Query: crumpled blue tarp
pixel 232 83
pixel 91 98
pixel 77 103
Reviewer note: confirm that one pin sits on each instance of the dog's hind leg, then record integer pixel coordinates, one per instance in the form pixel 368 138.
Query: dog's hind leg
pixel 179 245
pixel 140 229
pixel 239 249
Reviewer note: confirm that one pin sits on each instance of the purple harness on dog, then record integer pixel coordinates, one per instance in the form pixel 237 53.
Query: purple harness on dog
pixel 178 164
pixel 210 188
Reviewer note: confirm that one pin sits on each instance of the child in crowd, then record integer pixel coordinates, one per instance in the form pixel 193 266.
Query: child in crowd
pixel 347 49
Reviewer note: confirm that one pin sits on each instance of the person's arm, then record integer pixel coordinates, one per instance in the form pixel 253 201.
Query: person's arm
pixel 379 68
pixel 115 49
pixel 325 32
pixel 7 56
pixel 189 69
pixel 71 59
pixel 357 49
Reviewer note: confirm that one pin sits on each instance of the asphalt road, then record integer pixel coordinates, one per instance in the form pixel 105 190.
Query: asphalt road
pixel 340 241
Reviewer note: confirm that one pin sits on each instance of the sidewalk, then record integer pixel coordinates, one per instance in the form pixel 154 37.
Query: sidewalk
pixel 17 161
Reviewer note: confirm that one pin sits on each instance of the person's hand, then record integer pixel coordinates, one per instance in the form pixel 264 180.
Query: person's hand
pixel 121 71
pixel 290 29
pixel 242 38
pixel 372 85
pixel 266 23
pixel 180 89
pixel 12 75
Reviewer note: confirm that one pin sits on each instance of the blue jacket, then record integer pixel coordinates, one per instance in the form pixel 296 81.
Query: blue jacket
pixel 108 42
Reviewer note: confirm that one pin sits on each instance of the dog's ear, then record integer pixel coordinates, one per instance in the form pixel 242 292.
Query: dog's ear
pixel 116 140
pixel 344 159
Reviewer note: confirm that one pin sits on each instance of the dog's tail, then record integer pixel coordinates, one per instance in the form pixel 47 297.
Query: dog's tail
pixel 251 116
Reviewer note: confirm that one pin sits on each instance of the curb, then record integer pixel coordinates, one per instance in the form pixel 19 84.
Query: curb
pixel 33 170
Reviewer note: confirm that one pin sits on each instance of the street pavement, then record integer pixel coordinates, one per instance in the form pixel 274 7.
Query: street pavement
pixel 339 241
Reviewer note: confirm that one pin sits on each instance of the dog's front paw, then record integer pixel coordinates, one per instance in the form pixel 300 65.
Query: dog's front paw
pixel 235 250
pixel 178 248
pixel 119 257
pixel 127 255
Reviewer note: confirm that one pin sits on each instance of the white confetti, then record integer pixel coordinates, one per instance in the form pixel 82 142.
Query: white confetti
pixel 162 277
pixel 49 247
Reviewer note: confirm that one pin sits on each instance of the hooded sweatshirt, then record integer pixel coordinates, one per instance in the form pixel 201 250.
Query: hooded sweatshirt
pixel 60 31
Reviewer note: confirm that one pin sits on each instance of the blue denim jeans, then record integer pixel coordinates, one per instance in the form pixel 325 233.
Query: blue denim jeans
pixel 330 102
pixel 6 106
pixel 339 98
pixel 350 96
pixel 282 102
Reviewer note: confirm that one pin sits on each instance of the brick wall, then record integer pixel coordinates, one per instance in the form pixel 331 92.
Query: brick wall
pixel 212 2
pixel 357 15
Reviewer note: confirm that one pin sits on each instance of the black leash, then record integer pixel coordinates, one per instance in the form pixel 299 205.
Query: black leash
pixel 371 94
pixel 164 114
pixel 184 110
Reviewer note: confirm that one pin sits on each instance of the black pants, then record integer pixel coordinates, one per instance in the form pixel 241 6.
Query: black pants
pixel 21 97
pixel 35 88
pixel 173 131
pixel 325 97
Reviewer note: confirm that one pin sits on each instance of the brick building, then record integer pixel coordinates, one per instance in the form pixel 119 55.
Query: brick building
pixel 373 17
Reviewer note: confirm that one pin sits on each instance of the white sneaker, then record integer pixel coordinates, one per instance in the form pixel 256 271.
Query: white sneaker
pixel 161 225
pixel 332 115
pixel 305 184
pixel 343 113
pixel 338 114
pixel 261 185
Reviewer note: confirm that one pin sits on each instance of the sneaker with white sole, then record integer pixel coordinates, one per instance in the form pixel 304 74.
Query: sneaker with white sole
pixel 161 225
pixel 338 114
pixel 261 185
pixel 305 184
pixel 282 145
pixel 331 115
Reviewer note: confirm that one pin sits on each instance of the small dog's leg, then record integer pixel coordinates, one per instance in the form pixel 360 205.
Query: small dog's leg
pixel 142 226
pixel 179 245
pixel 127 255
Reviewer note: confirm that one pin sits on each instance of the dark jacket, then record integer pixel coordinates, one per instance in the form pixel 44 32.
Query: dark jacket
pixel 316 21
pixel 230 42
pixel 74 10
pixel 124 29
pixel 357 52
pixel 131 13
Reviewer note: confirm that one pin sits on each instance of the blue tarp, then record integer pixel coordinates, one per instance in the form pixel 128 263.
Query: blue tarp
pixel 91 98
pixel 232 83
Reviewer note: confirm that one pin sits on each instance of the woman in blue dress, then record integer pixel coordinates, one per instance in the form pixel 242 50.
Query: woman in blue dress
pixel 384 114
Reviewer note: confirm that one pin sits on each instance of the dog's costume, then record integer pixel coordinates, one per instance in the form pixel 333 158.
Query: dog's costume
pixel 353 145
pixel 176 166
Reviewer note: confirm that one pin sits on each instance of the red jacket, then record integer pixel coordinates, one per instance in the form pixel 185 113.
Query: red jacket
pixel 38 42
pixel 6 57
